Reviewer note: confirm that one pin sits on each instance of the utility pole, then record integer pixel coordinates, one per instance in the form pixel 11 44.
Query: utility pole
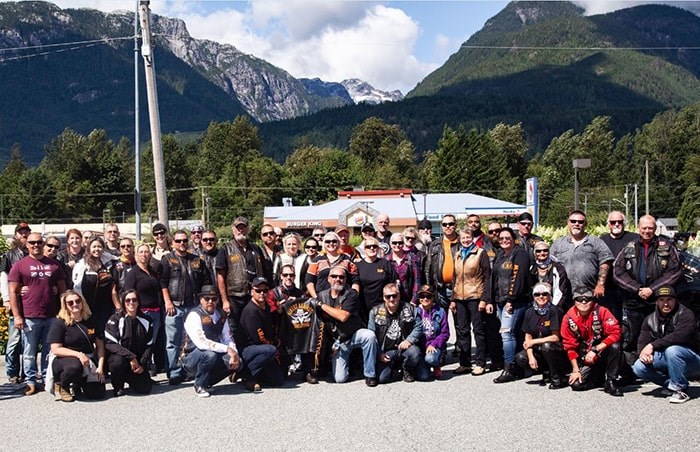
pixel 646 180
pixel 204 209
pixel 636 208
pixel 137 132
pixel 153 113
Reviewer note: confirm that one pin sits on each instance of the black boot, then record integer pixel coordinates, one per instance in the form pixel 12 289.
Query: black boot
pixel 506 376
pixel 612 388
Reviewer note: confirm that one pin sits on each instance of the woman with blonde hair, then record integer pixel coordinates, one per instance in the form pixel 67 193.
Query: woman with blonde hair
pixel 77 343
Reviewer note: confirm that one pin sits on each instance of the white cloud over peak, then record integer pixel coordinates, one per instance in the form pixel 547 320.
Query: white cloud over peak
pixel 606 6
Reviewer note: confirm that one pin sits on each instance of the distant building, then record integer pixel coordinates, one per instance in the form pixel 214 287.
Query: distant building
pixel 667 226
pixel 355 208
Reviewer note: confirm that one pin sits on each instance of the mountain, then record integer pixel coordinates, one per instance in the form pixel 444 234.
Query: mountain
pixel 542 64
pixel 89 83
pixel 363 92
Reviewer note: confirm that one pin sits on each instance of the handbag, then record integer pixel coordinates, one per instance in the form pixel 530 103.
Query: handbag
pixel 90 372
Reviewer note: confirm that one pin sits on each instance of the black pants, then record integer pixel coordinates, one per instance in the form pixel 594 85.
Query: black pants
pixel 234 318
pixel 69 371
pixel 632 319
pixel 467 318
pixel 120 369
pixel 494 341
pixel 550 357
pixel 606 367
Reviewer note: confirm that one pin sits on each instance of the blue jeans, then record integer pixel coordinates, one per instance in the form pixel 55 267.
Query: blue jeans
pixel 429 360
pixel 364 339
pixel 670 367
pixel 260 361
pixel 511 325
pixel 408 359
pixel 208 367
pixel 174 330
pixel 13 366
pixel 35 332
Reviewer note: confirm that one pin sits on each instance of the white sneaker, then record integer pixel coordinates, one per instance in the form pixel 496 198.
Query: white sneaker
pixel 679 397
pixel 201 392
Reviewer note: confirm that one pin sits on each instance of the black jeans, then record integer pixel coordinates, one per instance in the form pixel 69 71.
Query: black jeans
pixel 550 357
pixel 120 369
pixel 467 318
pixel 606 367
pixel 69 370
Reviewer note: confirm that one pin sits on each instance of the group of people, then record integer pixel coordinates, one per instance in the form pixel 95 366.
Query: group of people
pixel 586 312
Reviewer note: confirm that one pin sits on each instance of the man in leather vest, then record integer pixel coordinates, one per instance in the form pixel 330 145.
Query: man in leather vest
pixel 643 266
pixel 210 352
pixel 237 265
pixel 183 276
pixel 398 334
pixel 669 346
pixel 340 307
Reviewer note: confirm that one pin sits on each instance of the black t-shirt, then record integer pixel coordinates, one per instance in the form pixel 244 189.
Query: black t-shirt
pixel 542 325
pixel 258 326
pixel 147 286
pixel 373 277
pixel 80 336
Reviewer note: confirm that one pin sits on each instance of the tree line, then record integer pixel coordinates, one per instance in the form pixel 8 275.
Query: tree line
pixel 225 173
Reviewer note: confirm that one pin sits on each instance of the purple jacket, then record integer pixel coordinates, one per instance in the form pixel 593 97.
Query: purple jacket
pixel 435 327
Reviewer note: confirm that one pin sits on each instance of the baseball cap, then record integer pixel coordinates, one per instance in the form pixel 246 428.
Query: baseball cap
pixel 259 281
pixel 22 225
pixel 426 289
pixel 240 220
pixel 197 228
pixel 665 291
pixel 341 228
pixel 525 216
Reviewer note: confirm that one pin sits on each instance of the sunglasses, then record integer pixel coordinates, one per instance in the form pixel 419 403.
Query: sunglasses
pixel 583 299
pixel 330 242
pixel 310 247
pixel 112 232
pixel 371 247
pixel 260 290
pixel 449 224
pixel 288 275
pixel 525 223
pixel 214 299
pixel 196 232
pixel 425 297
pixel 208 240
pixel 337 276
pixel 391 296
pixel 494 231
pixel 131 300
pixel 52 246
pixel 616 222
pixel 397 243
pixel 35 242
pixel 409 238
pixel 73 302
pixel 158 234
pixel 541 294
pixel 318 235
pixel 505 239
pixel 541 251
pixel 576 221
pixel 268 233
pixel 126 246
pixel 180 240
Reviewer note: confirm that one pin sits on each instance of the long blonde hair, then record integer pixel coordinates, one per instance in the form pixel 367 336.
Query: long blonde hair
pixel 65 315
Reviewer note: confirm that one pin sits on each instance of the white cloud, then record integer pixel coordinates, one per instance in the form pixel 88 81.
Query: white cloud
pixel 606 6
pixel 443 44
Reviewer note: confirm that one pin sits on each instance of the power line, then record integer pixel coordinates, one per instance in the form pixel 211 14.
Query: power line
pixel 76 46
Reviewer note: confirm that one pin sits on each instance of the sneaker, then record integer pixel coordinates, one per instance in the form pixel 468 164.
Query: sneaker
pixel 311 378
pixel 371 382
pixel 462 370
pixel 679 397
pixel 478 370
pixel 201 392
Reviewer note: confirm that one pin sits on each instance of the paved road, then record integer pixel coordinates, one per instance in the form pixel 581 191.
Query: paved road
pixel 458 413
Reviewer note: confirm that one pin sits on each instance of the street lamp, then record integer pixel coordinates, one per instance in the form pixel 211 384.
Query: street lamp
pixel 579 163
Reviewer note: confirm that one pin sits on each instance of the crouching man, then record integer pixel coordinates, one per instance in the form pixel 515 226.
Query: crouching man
pixel 210 352
pixel 669 346
pixel 591 337
pixel 394 323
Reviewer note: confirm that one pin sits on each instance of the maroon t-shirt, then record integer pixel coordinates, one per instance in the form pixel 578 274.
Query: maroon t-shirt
pixel 39 276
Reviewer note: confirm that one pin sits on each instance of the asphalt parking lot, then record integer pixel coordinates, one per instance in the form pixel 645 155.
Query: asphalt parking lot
pixel 458 413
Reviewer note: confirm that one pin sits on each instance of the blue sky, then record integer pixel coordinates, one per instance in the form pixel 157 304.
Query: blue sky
pixel 390 44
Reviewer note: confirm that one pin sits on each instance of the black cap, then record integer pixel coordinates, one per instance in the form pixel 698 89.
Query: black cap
pixel 240 220
pixel 22 225
pixel 425 224
pixel 368 227
pixel 665 291
pixel 583 292
pixel 208 291
pixel 159 227
pixel 526 216
pixel 260 281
